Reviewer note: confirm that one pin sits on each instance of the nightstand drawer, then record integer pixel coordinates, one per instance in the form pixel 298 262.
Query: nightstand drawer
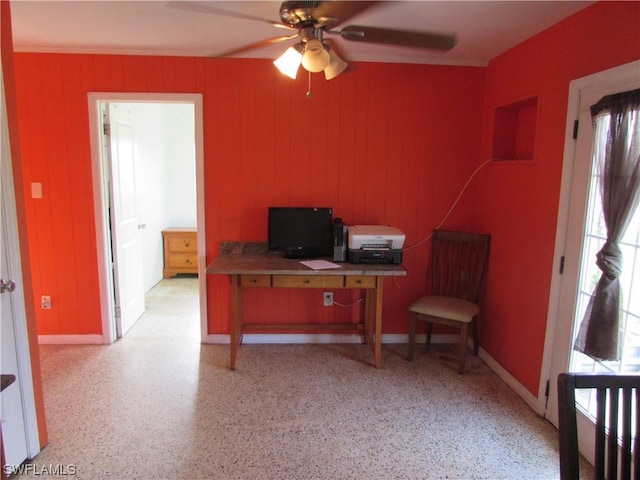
pixel 308 281
pixel 182 244
pixel 182 260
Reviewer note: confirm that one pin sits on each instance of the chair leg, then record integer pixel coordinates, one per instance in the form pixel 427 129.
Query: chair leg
pixel 412 335
pixel 462 347
pixel 429 330
pixel 474 333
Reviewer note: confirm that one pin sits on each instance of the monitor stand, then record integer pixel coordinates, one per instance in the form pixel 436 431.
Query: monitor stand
pixel 302 254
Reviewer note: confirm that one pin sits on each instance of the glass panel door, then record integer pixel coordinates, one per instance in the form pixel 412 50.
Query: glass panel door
pixel 581 234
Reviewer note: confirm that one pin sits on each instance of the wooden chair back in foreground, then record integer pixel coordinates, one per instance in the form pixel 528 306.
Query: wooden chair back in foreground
pixel 616 398
pixel 459 264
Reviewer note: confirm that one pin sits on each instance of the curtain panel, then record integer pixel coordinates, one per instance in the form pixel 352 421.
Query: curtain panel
pixel 616 156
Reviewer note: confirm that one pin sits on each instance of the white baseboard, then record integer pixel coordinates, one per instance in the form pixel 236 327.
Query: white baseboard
pixel 514 384
pixel 70 340
pixel 284 338
pixel 216 339
pixel 302 338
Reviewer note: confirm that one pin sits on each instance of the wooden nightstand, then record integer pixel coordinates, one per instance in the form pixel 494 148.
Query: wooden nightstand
pixel 180 251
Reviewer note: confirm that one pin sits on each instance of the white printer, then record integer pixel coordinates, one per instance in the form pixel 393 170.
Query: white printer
pixel 375 244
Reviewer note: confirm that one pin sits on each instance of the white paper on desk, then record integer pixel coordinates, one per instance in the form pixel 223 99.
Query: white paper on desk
pixel 319 264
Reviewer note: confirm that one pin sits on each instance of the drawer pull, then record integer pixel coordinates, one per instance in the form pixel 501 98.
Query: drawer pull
pixel 306 282
pixel 186 244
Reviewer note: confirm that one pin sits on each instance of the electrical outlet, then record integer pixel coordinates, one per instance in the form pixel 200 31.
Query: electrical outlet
pixel 327 299
pixel 45 301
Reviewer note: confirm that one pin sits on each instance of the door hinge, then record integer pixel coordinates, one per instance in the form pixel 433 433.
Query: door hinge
pixel 106 129
pixel 575 129
pixel 561 265
pixel 118 312
pixel 546 394
pixel 546 389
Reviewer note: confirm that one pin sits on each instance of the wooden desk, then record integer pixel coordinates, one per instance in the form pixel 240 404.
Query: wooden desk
pixel 273 271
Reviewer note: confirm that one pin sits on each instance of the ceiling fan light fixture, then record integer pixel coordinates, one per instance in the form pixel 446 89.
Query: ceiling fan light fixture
pixel 289 62
pixel 336 66
pixel 315 58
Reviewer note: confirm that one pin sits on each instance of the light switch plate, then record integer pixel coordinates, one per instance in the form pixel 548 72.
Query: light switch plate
pixel 36 190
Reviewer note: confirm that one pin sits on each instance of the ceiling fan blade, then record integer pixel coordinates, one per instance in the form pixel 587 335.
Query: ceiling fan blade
pixel 404 38
pixel 253 46
pixel 333 13
pixel 210 9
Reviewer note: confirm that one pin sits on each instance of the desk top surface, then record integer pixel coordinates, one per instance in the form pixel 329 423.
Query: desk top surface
pixel 275 264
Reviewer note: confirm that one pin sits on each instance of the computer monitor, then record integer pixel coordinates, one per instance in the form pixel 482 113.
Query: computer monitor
pixel 301 232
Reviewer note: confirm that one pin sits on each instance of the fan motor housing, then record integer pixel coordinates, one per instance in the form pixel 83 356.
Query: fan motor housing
pixel 298 13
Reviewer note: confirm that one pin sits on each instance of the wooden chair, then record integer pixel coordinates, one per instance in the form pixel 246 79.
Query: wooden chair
pixel 616 398
pixel 459 263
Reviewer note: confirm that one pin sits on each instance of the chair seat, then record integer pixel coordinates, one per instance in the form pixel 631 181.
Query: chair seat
pixel 445 307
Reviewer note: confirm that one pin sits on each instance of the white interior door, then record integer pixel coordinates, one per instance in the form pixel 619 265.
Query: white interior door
pixel 572 228
pixel 128 268
pixel 14 435
pixel 17 403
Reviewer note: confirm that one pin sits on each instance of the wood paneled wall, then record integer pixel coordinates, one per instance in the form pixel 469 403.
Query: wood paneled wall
pixel 385 143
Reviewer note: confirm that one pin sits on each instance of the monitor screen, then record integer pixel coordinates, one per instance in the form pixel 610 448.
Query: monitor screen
pixel 301 232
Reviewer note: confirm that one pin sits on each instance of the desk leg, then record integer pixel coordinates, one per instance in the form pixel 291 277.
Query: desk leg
pixel 377 345
pixel 369 314
pixel 236 318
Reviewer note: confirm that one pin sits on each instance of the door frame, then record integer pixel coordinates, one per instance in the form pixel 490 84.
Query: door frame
pixel 101 200
pixel 557 331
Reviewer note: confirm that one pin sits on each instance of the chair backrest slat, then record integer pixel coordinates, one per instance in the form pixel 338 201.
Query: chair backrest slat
pixel 601 436
pixel 636 442
pixel 459 263
pixel 612 439
pixel 625 460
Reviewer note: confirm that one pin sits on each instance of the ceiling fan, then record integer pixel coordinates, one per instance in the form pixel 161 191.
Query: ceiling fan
pixel 308 21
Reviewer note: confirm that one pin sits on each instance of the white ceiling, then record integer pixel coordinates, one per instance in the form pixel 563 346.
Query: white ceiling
pixel 484 29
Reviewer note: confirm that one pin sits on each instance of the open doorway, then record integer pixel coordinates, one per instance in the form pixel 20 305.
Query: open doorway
pixel 148 177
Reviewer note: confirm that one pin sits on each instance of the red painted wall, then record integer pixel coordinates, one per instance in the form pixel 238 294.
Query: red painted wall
pixel 518 203
pixel 386 143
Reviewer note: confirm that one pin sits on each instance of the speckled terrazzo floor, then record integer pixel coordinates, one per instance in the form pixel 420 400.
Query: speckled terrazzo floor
pixel 157 404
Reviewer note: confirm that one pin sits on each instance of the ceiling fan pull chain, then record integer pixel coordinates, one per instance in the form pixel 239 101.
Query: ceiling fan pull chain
pixel 309 94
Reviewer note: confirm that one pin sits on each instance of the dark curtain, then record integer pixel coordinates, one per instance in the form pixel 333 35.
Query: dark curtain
pixel 617 157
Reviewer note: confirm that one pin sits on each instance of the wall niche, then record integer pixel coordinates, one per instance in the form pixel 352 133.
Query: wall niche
pixel 514 130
